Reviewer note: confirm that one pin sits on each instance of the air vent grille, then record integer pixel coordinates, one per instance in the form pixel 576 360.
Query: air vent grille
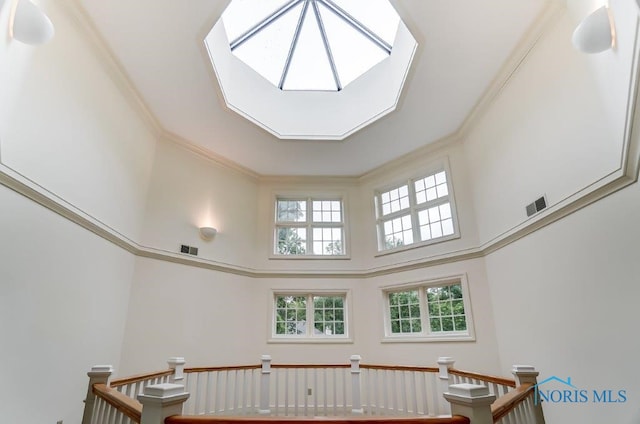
pixel 189 250
pixel 536 206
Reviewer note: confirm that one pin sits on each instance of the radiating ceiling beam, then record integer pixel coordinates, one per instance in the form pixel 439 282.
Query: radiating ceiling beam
pixel 294 43
pixel 360 27
pixel 327 47
pixel 262 24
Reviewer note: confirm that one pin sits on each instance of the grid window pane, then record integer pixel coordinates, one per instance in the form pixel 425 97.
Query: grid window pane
pixel 398 232
pixel 435 222
pixel 431 188
pixel 291 314
pixel 404 312
pixel 395 200
pixel 327 211
pixel 425 202
pixel 327 241
pixel 291 210
pixel 328 312
pixel 309 227
pixel 446 308
pixel 291 240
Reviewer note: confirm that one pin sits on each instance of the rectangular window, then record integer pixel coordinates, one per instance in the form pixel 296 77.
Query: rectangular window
pixel 310 316
pixel 309 227
pixel 437 310
pixel 419 211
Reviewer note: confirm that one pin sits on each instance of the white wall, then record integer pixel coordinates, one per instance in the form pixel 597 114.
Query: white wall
pixel 178 310
pixel 67 125
pixel 565 300
pixel 556 128
pixel 563 297
pixel 215 318
pixel 64 294
pixel 188 191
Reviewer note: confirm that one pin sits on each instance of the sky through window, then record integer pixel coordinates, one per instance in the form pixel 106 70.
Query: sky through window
pixel 311 44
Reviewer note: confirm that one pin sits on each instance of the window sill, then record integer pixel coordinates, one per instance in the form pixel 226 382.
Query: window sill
pixel 309 340
pixel 310 257
pixel 416 245
pixel 429 339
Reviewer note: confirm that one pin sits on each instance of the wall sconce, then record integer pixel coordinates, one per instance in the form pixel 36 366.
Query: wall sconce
pixel 29 24
pixel 208 233
pixel 595 33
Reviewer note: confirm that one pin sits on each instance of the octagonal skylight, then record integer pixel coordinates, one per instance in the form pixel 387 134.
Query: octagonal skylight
pixel 311 44
pixel 311 69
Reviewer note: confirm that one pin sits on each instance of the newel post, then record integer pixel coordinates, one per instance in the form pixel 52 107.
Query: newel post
pixel 265 383
pixel 160 401
pixel 472 401
pixel 176 363
pixel 526 374
pixel 356 407
pixel 444 364
pixel 98 374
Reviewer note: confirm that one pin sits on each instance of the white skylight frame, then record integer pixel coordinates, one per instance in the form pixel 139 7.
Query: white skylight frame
pixel 311 115
pixel 331 59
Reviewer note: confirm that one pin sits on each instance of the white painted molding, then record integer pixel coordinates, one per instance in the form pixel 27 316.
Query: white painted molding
pixel 583 198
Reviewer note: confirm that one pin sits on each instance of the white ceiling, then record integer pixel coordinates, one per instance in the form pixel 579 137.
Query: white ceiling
pixel 463 44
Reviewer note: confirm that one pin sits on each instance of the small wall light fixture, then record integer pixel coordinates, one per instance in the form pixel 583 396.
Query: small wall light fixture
pixel 29 24
pixel 595 33
pixel 208 233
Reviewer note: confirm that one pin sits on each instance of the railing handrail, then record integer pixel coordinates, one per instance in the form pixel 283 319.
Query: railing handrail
pixel 139 377
pixel 399 368
pixel 484 377
pixel 123 403
pixel 181 419
pixel 222 368
pixel 505 404
pixel 302 366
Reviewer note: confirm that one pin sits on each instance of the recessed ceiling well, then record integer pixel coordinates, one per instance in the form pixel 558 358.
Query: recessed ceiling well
pixel 463 45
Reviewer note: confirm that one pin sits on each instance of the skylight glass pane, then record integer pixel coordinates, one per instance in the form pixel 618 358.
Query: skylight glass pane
pixel 241 15
pixel 310 68
pixel 353 53
pixel 261 33
pixel 377 15
pixel 267 50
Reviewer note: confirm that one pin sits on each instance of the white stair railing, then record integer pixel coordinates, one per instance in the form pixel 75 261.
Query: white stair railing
pixel 301 390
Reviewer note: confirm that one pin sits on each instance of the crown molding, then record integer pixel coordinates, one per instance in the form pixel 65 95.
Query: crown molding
pixel 113 67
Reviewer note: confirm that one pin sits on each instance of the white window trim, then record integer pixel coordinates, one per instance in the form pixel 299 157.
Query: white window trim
pixel 272 337
pixel 313 195
pixel 426 335
pixel 413 210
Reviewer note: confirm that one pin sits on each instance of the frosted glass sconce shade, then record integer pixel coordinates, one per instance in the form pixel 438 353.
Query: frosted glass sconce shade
pixel 595 32
pixel 208 233
pixel 30 24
